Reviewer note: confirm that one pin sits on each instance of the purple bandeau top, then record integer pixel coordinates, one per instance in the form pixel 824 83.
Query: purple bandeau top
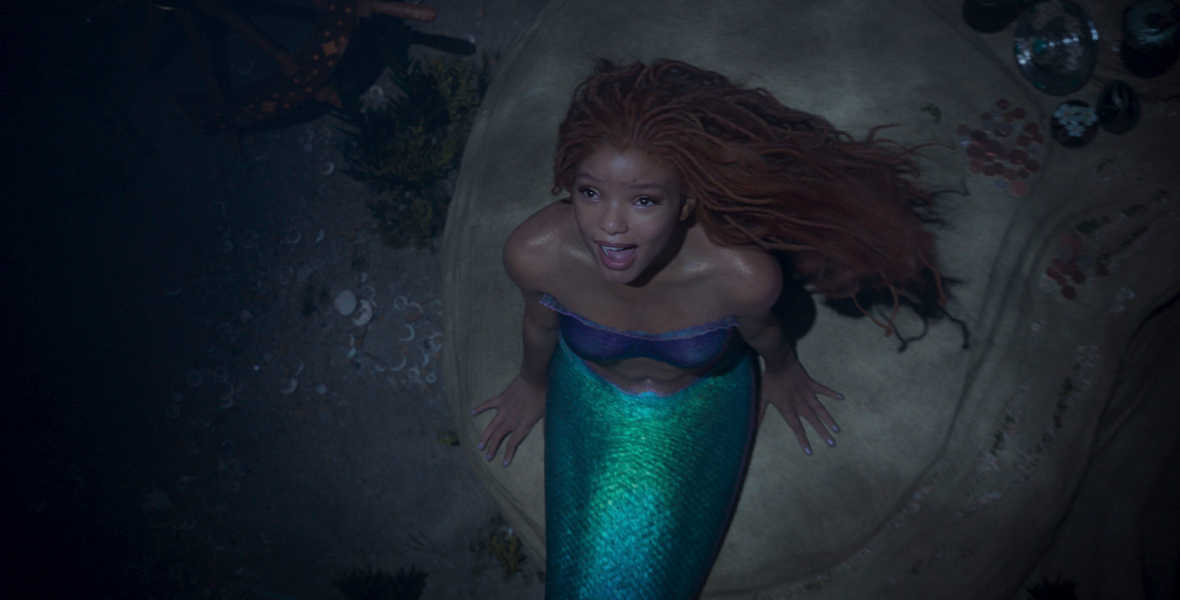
pixel 688 348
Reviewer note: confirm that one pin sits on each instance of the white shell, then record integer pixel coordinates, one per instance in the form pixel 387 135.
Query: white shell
pixel 345 302
pixel 289 386
pixel 364 315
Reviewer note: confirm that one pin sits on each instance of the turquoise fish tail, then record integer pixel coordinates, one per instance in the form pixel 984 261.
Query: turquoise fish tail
pixel 640 488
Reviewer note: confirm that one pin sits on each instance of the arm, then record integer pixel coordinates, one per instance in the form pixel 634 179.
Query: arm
pixel 527 261
pixel 522 403
pixel 785 383
pixel 540 330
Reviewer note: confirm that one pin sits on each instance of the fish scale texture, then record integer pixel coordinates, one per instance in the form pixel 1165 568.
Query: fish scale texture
pixel 640 488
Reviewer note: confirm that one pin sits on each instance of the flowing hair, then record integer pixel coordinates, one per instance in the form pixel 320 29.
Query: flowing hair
pixel 847 212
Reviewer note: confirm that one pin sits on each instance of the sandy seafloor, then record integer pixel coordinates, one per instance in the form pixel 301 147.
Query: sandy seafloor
pixel 158 305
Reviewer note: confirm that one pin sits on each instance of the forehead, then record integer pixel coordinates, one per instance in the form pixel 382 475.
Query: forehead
pixel 631 164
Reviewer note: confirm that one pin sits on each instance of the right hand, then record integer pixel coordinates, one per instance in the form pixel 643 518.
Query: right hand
pixel 518 408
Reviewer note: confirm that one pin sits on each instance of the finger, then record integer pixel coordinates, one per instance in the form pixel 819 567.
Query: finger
pixel 510 447
pixel 829 392
pixel 518 436
pixel 819 428
pixel 818 408
pixel 493 446
pixel 510 450
pixel 487 433
pixel 812 417
pixel 797 426
pixel 493 403
pixel 490 433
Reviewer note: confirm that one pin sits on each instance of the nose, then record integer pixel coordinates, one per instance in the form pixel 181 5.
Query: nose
pixel 613 220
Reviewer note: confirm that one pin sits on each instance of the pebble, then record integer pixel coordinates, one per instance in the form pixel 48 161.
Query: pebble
pixel 346 302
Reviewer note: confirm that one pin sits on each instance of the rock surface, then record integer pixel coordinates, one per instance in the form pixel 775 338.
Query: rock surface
pixel 955 464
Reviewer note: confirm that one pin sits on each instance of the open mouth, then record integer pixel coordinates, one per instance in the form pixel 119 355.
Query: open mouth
pixel 617 257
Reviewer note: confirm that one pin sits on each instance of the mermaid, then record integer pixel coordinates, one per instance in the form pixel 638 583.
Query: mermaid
pixel 651 347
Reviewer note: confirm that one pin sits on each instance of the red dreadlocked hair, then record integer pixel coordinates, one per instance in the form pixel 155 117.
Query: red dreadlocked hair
pixel 763 174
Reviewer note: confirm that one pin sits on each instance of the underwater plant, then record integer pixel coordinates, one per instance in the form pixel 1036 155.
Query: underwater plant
pixel 407 146
pixel 379 584
pixel 505 547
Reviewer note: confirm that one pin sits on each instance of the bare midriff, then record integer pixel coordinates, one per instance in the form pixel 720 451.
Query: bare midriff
pixel 635 379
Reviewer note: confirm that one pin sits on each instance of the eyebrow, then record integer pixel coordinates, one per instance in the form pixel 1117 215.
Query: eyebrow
pixel 633 186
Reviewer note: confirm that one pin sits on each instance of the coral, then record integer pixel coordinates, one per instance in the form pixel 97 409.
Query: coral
pixel 378 584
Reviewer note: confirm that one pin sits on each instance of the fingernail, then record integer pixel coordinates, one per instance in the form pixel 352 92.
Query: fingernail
pixel 807 451
pixel 505 462
pixel 489 457
pixel 841 396
pixel 832 443
pixel 472 412
pixel 835 428
pixel 480 446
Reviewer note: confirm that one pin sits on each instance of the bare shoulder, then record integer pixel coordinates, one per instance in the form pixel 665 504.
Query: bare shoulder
pixel 750 279
pixel 531 252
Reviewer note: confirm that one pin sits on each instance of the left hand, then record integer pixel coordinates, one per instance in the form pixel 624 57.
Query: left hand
pixel 794 394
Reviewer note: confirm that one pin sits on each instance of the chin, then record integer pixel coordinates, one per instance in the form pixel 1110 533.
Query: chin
pixel 613 276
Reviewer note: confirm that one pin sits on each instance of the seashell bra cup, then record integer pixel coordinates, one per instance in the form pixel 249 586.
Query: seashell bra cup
pixel 690 348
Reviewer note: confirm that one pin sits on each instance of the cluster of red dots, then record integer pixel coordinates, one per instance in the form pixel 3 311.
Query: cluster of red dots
pixel 1069 264
pixel 1004 146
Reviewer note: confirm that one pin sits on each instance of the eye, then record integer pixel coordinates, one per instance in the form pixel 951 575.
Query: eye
pixel 646 201
pixel 588 192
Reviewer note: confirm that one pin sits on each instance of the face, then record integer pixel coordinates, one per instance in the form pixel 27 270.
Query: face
pixel 629 211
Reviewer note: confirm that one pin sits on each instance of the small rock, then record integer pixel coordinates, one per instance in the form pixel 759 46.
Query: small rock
pixel 346 302
pixel 246 316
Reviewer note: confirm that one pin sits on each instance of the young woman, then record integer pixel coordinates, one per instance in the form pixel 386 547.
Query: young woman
pixel 648 296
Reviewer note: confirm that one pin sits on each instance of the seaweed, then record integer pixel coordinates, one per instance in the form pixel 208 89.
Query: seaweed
pixel 379 584
pixel 408 146
pixel 505 547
